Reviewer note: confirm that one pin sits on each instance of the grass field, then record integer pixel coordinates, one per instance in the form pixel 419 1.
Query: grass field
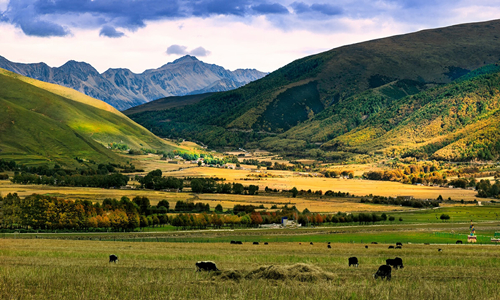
pixel 68 269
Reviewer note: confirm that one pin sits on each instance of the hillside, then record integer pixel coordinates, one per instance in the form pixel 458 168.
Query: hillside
pixel 167 103
pixel 42 122
pixel 317 99
pixel 124 89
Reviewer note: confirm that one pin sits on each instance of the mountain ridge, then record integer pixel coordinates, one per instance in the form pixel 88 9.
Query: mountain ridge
pixel 123 88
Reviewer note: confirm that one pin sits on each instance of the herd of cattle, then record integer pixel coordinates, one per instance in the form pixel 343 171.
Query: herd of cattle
pixel 384 271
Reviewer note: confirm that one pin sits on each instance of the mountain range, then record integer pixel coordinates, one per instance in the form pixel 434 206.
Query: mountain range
pixel 403 95
pixel 124 89
pixel 44 123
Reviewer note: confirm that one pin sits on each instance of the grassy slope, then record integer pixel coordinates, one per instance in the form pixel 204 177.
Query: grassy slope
pixel 455 121
pixel 167 103
pixel 39 124
pixel 369 75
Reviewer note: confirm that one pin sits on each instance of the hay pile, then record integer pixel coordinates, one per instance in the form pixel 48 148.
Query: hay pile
pixel 299 272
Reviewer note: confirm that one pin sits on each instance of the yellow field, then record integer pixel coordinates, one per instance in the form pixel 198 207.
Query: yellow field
pixel 357 187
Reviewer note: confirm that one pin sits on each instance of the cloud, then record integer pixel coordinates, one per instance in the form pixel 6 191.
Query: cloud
pixel 274 8
pixel 182 50
pixel 322 8
pixel 177 49
pixel 111 32
pixel 200 51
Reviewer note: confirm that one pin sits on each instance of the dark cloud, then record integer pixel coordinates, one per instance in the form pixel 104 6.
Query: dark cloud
pixel 221 7
pixel 111 32
pixel 274 8
pixel 326 9
pixel 177 49
pixel 200 51
pixel 41 28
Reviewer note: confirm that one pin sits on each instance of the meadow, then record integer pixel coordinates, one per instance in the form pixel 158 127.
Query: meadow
pixel 76 269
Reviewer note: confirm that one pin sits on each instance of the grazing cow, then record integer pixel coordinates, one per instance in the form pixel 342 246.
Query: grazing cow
pixel 206 266
pixel 399 244
pixel 238 242
pixel 311 243
pixel 459 242
pixel 353 261
pixel 266 243
pixel 255 243
pixel 396 263
pixel 113 258
pixel 374 243
pixel 398 247
pixel 366 247
pixel 391 247
pixel 440 250
pixel 383 271
pixel 328 243
pixel 233 242
pixel 329 246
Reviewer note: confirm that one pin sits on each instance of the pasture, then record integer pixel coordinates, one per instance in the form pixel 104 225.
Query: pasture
pixel 75 269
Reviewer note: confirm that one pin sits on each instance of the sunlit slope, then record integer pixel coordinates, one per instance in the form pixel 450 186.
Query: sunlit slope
pixel 38 124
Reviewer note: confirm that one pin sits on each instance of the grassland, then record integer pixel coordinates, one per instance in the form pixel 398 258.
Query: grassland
pixel 69 269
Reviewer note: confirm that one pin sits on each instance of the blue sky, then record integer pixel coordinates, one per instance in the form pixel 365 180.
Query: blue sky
pixel 142 34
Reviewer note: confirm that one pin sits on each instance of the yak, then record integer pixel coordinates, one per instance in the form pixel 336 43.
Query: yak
pixel 113 258
pixel 383 271
pixel 396 263
pixel 206 266
pixel 353 261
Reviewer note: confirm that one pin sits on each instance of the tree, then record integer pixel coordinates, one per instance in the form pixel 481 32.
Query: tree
pixel 383 216
pixel 218 208
pixel 400 219
pixel 391 218
pixel 294 192
pixel 444 217
pixel 163 203
pixel 238 188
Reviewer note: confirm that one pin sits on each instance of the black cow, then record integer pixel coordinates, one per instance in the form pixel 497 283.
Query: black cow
pixel 399 244
pixel 266 243
pixel 440 250
pixel 206 266
pixel 329 246
pixel 398 247
pixel 366 247
pixel 353 261
pixel 233 242
pixel 383 271
pixel 391 247
pixel 328 243
pixel 459 242
pixel 113 258
pixel 396 263
pixel 238 242
pixel 311 243
pixel 255 243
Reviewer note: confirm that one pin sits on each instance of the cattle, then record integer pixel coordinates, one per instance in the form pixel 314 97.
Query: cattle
pixel 266 243
pixel 366 247
pixel 113 258
pixel 233 242
pixel 398 247
pixel 329 243
pixel 237 242
pixel 383 271
pixel 440 250
pixel 391 247
pixel 353 261
pixel 329 246
pixel 374 243
pixel 459 242
pixel 311 243
pixel 399 244
pixel 396 263
pixel 255 243
pixel 206 266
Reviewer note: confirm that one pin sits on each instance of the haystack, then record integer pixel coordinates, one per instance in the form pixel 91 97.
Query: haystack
pixel 300 272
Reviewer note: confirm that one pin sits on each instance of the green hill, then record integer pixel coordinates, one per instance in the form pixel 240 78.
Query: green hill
pixel 316 100
pixel 41 122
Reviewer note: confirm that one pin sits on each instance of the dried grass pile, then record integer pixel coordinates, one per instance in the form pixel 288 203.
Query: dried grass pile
pixel 299 272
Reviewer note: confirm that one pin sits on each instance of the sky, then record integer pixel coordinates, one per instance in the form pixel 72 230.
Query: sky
pixel 257 34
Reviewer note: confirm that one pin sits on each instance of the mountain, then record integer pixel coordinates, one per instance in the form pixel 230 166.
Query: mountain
pixel 42 122
pixel 315 101
pixel 124 89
